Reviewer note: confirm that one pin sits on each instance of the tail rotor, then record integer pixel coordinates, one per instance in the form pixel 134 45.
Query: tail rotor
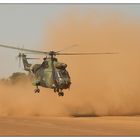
pixel 19 57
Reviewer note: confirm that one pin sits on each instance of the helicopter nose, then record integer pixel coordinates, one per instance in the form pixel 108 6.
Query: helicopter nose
pixel 64 85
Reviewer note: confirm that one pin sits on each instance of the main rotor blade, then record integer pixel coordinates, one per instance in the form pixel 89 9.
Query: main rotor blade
pixel 53 52
pixel 32 58
pixel 26 50
pixel 87 53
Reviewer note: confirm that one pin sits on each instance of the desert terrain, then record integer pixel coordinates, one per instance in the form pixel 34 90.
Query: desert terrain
pixel 70 126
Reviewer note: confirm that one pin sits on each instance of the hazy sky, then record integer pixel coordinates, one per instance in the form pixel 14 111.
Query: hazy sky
pixel 26 24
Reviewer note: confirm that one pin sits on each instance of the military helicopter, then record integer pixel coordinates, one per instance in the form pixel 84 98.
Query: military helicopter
pixel 51 73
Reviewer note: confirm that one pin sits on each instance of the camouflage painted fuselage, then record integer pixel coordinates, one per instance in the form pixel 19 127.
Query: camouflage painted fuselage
pixel 51 75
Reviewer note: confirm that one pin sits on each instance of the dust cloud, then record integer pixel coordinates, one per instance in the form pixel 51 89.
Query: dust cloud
pixel 20 100
pixel 101 84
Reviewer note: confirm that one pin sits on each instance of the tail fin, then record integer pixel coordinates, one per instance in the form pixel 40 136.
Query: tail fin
pixel 25 63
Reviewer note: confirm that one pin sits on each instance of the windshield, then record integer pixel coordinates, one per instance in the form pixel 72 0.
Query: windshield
pixel 63 73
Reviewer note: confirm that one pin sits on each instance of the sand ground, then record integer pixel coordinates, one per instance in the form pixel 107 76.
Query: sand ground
pixel 70 126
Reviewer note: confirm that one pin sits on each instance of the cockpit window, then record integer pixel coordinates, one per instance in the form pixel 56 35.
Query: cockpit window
pixel 63 73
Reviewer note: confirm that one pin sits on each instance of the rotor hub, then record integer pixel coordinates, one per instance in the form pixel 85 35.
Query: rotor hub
pixel 52 53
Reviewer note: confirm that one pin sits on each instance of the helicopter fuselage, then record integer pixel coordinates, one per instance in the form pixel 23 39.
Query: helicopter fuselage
pixel 50 74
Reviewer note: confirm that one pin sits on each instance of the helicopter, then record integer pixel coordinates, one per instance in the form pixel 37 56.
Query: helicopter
pixel 50 73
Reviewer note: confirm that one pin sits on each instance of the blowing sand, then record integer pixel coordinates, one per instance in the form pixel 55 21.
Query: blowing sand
pixel 23 113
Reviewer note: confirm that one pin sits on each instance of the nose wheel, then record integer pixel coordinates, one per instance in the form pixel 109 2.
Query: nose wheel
pixel 37 90
pixel 60 93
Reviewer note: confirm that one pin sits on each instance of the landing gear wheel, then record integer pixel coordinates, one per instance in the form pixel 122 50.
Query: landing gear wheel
pixel 37 90
pixel 55 90
pixel 60 94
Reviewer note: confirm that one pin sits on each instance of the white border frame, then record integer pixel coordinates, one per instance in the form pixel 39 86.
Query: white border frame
pixel 69 1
